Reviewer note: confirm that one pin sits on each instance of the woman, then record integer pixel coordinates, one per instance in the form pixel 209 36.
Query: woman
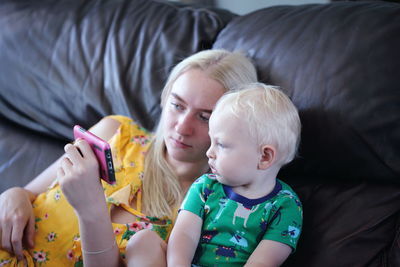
pixel 153 173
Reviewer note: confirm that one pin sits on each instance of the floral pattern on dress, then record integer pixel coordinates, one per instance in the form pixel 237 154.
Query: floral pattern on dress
pixel 4 262
pixel 40 257
pixel 141 140
pixel 51 237
pixel 57 195
pixel 57 239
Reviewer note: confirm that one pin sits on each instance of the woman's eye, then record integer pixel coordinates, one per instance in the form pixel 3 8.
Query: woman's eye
pixel 177 106
pixel 204 117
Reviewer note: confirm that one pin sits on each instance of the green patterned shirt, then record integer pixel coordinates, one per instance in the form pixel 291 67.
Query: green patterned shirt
pixel 233 225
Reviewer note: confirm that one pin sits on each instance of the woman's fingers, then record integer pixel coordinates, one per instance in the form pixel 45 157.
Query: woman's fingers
pixel 78 174
pixel 12 232
pixel 72 153
pixel 78 160
pixel 85 149
pixel 16 240
pixel 15 215
pixel 6 237
pixel 66 165
pixel 60 172
pixel 79 152
pixel 30 232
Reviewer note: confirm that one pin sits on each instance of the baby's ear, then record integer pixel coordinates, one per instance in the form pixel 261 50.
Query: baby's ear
pixel 268 154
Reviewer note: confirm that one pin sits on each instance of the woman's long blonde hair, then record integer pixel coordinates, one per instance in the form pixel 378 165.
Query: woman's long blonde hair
pixel 162 193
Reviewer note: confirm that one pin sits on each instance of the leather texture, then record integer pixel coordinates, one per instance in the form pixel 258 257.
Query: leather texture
pixel 72 62
pixel 81 60
pixel 337 63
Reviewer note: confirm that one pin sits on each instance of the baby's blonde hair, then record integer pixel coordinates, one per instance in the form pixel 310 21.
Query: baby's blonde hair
pixel 270 116
pixel 162 193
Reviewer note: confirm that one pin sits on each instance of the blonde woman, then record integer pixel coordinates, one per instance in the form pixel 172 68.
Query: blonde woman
pixel 76 219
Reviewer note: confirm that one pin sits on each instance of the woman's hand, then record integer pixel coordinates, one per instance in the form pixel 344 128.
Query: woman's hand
pixel 17 222
pixel 78 175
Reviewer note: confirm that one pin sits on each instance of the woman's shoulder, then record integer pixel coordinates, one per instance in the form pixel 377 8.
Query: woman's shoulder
pixel 128 145
pixel 121 119
pixel 127 124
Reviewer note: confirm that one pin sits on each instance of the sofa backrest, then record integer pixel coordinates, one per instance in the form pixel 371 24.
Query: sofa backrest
pixel 69 62
pixel 340 64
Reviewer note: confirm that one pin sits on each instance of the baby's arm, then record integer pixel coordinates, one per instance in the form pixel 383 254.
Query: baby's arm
pixel 269 254
pixel 184 239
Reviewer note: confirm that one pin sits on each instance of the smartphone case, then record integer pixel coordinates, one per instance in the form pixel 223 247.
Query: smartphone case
pixel 102 151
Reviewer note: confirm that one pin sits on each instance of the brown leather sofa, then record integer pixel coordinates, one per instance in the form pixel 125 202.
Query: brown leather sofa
pixel 72 62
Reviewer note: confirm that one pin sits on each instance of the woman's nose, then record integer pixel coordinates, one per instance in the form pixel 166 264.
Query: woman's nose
pixel 184 125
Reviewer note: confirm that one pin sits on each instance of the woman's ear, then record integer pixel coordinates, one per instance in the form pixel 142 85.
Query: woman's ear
pixel 268 154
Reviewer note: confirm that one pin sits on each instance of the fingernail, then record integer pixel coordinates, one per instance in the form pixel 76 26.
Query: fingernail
pixel 66 146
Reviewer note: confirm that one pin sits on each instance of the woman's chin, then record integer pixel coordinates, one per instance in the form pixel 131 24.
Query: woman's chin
pixel 182 155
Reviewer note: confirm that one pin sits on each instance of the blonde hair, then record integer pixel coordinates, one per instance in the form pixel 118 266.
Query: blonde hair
pixel 162 193
pixel 270 116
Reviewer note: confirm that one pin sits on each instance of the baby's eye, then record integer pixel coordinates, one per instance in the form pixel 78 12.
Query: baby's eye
pixel 220 145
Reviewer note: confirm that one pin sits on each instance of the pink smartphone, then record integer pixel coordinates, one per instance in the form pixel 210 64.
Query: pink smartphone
pixel 102 151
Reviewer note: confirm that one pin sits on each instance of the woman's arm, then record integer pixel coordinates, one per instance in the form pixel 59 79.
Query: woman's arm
pixel 80 183
pixel 16 213
pixel 104 129
pixel 184 239
pixel 269 254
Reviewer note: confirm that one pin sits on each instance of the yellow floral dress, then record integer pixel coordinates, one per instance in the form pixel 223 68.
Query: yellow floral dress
pixel 57 241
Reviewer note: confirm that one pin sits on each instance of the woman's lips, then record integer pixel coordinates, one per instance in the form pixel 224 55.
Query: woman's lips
pixel 179 144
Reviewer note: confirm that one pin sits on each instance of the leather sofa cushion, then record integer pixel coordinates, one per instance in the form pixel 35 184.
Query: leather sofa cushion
pixel 69 62
pixel 337 63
